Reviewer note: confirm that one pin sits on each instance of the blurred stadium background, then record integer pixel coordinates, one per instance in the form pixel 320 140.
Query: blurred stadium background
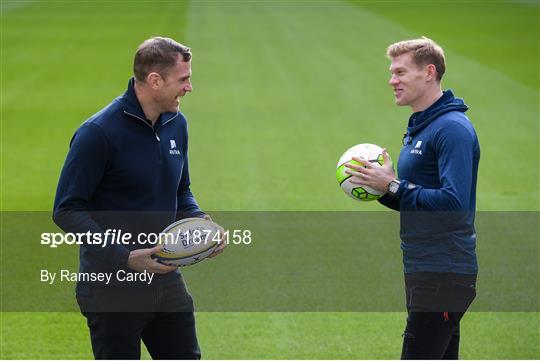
pixel 281 89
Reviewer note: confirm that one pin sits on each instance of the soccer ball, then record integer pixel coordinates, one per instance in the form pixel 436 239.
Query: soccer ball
pixel 370 152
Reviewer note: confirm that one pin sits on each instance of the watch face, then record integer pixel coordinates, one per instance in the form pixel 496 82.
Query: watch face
pixel 393 187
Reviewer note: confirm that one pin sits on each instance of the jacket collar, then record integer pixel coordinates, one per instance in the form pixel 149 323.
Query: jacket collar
pixel 133 107
pixel 446 103
pixel 130 101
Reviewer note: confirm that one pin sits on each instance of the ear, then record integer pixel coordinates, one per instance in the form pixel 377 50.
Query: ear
pixel 431 72
pixel 154 80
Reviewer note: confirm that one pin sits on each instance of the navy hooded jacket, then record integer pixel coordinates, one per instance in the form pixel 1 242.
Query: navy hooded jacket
pixel 123 173
pixel 438 167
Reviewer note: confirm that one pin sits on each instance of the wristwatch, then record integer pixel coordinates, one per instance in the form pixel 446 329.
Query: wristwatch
pixel 393 187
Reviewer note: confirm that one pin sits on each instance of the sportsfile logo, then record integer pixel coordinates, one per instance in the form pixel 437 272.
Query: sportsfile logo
pixel 174 150
pixel 416 149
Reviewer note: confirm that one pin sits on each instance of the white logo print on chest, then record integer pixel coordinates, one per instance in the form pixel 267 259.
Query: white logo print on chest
pixel 417 149
pixel 173 149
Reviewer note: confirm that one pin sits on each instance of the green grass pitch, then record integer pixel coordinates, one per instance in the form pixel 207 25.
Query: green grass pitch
pixel 281 90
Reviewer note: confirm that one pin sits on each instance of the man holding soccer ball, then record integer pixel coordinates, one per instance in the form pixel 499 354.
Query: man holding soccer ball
pixel 435 194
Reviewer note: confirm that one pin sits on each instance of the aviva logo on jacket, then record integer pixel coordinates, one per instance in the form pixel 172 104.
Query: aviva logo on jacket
pixel 416 149
pixel 174 150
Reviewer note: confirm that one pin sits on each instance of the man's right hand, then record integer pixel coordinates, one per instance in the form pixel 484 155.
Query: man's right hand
pixel 141 260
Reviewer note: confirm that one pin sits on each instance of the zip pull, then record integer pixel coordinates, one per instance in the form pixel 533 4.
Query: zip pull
pixel 157 137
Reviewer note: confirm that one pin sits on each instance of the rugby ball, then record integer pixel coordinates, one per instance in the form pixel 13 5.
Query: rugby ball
pixel 188 241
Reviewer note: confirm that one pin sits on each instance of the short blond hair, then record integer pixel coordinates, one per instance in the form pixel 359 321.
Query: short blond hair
pixel 424 51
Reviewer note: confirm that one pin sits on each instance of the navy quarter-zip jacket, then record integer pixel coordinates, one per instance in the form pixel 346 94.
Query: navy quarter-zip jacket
pixel 119 163
pixel 438 167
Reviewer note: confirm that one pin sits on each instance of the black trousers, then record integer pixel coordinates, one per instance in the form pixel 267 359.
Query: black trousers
pixel 436 302
pixel 167 336
pixel 161 316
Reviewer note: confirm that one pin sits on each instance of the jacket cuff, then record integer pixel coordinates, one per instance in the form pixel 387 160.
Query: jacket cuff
pixel 403 184
pixel 196 214
pixel 121 258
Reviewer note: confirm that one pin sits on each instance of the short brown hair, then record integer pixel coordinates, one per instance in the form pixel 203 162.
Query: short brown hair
pixel 425 51
pixel 158 54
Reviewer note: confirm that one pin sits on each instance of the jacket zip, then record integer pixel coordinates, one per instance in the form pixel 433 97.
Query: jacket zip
pixel 148 125
pixel 145 122
pixel 153 131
